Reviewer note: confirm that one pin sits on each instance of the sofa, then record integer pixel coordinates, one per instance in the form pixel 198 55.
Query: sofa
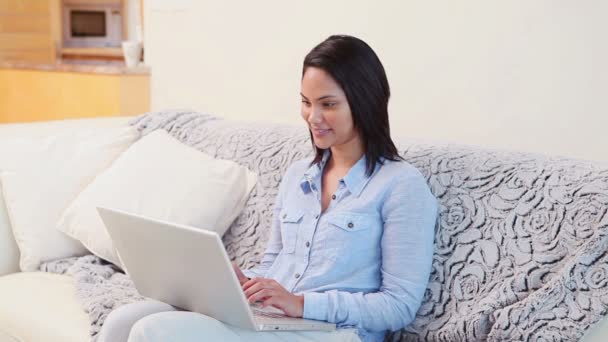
pixel 39 306
pixel 519 251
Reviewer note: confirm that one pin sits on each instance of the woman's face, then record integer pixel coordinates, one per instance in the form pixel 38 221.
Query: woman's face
pixel 326 110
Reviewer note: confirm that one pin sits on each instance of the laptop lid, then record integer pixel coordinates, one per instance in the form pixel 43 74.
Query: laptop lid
pixel 183 266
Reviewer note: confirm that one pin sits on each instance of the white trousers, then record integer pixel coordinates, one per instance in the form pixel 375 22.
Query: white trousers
pixel 152 321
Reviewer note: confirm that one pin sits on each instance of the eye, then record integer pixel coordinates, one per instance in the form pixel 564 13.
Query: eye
pixel 306 103
pixel 329 104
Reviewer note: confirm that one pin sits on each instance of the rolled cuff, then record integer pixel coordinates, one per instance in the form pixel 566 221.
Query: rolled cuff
pixel 316 306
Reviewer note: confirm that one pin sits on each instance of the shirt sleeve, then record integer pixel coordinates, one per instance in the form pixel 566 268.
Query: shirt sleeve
pixel 409 213
pixel 275 244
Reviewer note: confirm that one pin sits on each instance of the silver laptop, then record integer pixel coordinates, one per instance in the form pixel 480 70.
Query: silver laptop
pixel 188 268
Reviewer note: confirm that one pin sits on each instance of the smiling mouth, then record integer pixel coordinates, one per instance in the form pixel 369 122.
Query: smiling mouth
pixel 320 131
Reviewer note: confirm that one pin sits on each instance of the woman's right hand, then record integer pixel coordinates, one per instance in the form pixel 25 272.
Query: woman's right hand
pixel 239 274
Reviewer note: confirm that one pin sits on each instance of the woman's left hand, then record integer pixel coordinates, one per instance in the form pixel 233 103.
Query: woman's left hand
pixel 270 292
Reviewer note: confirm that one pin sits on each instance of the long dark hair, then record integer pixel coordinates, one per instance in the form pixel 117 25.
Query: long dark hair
pixel 360 74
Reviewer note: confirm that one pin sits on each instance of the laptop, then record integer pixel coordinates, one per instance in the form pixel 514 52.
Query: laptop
pixel 188 268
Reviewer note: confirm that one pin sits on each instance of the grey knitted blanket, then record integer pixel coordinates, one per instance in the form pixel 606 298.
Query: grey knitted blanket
pixel 100 286
pixel 521 243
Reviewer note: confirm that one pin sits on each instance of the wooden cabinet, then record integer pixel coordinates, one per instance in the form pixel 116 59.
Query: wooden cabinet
pixel 25 31
pixel 40 80
pixel 28 94
pixel 30 31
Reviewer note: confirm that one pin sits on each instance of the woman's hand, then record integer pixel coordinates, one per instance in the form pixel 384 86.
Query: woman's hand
pixel 239 274
pixel 270 292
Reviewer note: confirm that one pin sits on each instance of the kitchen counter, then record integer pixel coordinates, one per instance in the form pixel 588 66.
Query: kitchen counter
pixel 71 89
pixel 83 66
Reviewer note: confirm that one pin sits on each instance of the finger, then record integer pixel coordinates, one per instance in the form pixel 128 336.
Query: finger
pixel 276 302
pixel 260 295
pixel 268 301
pixel 254 281
pixel 242 278
pixel 250 283
pixel 239 273
pixel 258 287
pixel 254 287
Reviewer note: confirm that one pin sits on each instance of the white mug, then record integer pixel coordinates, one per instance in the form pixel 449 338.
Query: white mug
pixel 132 52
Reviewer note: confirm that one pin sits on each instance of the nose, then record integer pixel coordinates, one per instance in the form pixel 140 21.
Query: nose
pixel 315 116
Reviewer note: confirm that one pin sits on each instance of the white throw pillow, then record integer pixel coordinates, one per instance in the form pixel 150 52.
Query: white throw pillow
pixel 44 176
pixel 161 178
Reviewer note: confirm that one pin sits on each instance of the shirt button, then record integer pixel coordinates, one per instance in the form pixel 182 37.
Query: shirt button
pixel 350 225
pixel 307 244
pixel 333 197
pixel 297 275
pixel 284 216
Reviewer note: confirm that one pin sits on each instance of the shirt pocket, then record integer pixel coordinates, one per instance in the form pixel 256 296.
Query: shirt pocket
pixel 346 233
pixel 350 222
pixel 290 222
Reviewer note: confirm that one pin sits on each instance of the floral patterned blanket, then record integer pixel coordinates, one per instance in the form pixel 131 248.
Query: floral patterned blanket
pixel 521 241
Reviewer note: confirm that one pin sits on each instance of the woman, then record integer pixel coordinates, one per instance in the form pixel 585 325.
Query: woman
pixel 352 233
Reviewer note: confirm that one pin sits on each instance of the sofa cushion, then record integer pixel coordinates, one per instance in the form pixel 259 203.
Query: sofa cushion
pixel 40 306
pixel 161 178
pixel 45 176
pixel 9 253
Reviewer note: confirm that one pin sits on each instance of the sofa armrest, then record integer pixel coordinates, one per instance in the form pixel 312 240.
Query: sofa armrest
pixel 9 253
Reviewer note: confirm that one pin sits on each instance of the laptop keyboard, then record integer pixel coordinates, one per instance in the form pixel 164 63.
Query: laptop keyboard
pixel 259 312
pixel 270 312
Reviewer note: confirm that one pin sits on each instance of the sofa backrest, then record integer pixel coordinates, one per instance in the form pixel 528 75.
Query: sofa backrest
pixel 509 222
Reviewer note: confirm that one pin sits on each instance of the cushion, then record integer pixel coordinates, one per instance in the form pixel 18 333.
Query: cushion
pixel 161 178
pixel 40 306
pixel 46 175
pixel 9 253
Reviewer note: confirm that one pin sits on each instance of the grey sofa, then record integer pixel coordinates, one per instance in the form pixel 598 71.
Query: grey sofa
pixel 521 239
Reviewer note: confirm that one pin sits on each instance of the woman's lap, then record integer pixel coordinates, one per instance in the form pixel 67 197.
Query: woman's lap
pixel 118 324
pixel 185 326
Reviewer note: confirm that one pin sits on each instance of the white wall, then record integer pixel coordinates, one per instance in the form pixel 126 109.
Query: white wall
pixel 519 74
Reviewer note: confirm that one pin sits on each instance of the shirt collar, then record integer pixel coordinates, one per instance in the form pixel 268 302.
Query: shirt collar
pixel 355 180
pixel 312 176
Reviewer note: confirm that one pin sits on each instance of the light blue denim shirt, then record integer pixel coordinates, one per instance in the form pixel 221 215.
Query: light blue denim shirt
pixel 365 262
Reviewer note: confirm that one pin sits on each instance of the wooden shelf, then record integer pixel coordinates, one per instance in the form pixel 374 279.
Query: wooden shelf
pixel 94 52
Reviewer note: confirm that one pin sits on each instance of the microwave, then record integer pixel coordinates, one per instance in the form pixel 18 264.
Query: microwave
pixel 92 25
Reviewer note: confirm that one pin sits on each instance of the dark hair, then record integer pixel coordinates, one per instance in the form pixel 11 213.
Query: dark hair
pixel 360 74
